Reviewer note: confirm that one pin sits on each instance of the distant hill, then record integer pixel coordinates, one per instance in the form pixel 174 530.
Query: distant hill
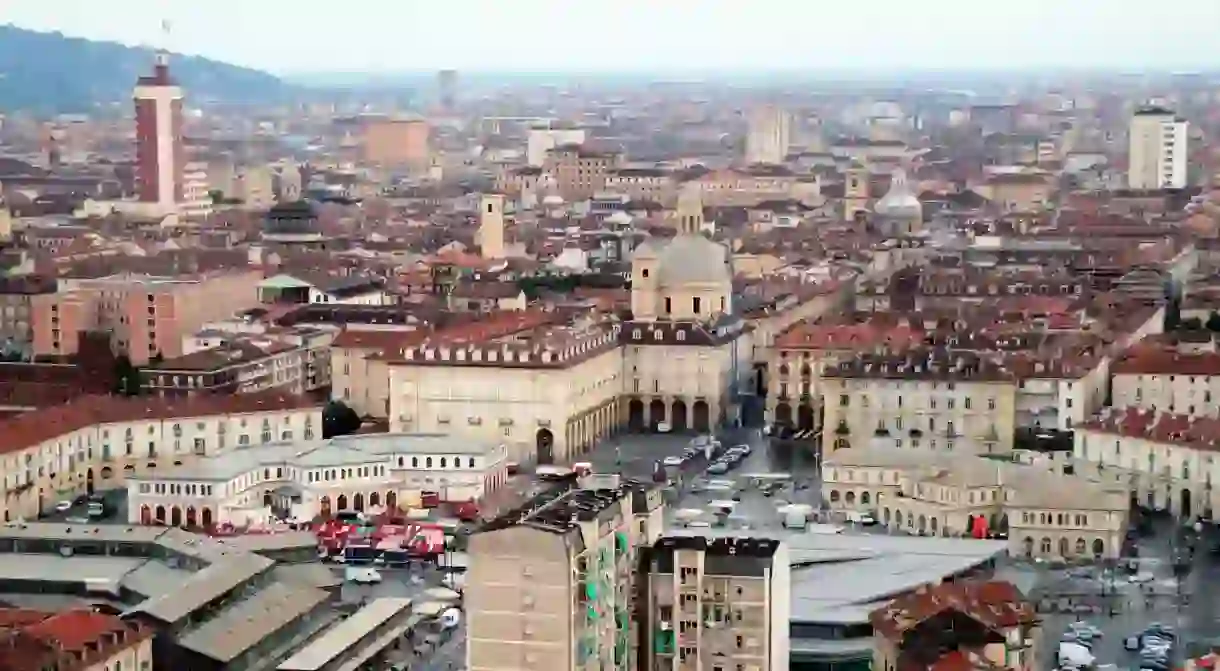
pixel 50 72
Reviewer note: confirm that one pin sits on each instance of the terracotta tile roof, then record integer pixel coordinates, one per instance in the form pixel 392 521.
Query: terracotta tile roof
pixel 1168 362
pixel 375 339
pixel 31 428
pixel 854 337
pixel 1202 433
pixel 71 640
pixel 996 604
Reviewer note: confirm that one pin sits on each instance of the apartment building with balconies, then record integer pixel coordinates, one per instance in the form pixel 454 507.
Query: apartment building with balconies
pixel 551 585
pixel 716 603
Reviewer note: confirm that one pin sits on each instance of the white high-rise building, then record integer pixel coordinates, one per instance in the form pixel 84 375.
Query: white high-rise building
pixel 1157 152
pixel 769 135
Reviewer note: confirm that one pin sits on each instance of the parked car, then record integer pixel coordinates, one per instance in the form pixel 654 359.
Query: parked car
pixel 362 576
pixel 63 506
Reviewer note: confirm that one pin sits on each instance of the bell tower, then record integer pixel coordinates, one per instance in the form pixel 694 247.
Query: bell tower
pixel 855 192
pixel 690 211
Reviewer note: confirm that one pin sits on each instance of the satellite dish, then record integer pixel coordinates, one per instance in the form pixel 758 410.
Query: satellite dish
pixel 450 618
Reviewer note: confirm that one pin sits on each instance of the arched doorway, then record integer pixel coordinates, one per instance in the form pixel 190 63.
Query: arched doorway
pixel 1028 545
pixel 175 516
pixel 656 413
pixel 160 515
pixel 783 414
pixel 324 506
pixel 804 418
pixel 1185 503
pixel 703 417
pixel 146 515
pixel 391 500
pixel 1099 547
pixel 635 415
pixel 545 445
pixel 342 502
pixel 192 517
pixel 207 518
pixel 358 502
pixel 375 499
pixel 89 482
pixel 1064 548
pixel 268 499
pixel 678 416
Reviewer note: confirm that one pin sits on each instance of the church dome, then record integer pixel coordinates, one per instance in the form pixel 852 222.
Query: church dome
pixel 694 259
pixel 899 202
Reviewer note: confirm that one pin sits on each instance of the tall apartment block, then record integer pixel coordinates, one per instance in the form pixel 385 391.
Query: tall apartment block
pixel 1157 150
pixel 768 135
pixel 714 604
pixel 551 585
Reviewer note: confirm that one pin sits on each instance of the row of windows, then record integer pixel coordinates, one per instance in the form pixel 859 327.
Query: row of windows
pixel 950 403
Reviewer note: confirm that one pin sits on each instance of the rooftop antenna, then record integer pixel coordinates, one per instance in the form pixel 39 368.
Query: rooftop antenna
pixel 163 52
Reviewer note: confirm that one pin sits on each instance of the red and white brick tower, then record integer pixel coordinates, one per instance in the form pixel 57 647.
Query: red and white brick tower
pixel 159 150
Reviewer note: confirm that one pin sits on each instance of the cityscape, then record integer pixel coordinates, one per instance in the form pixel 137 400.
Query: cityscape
pixel 812 370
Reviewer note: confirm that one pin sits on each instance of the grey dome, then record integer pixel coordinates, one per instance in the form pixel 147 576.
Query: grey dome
pixel 693 259
pixel 899 202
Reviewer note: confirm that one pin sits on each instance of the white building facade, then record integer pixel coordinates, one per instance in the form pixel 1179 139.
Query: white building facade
pixel 1157 150
pixel 304 480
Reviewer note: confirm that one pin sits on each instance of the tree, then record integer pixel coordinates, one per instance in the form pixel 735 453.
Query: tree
pixel 1213 322
pixel 126 377
pixel 339 420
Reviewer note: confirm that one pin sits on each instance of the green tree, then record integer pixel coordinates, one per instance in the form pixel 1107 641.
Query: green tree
pixel 338 419
pixel 126 377
pixel 1213 322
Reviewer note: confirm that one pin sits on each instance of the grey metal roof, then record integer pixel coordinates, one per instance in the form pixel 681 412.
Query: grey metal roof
pixel 154 578
pixel 347 633
pixel 99 532
pixel 54 568
pixel 246 623
pixel 204 586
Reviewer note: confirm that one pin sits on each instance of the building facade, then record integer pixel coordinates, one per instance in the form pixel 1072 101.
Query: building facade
pixel 550 585
pixel 293 479
pixel 716 604
pixel 96 443
pixel 1157 150
pixel 1043 514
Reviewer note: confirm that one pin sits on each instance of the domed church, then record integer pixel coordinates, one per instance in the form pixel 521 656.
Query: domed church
pixel 899 211
pixel 686 347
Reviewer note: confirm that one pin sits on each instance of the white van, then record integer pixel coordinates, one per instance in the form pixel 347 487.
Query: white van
pixel 362 576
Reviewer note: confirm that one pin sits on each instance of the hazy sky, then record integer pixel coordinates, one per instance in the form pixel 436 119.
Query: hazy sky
pixel 583 35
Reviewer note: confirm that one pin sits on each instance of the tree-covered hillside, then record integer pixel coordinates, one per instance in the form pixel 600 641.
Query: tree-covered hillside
pixel 50 72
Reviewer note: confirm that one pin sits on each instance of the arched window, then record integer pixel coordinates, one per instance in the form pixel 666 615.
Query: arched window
pixel 470 464
pixel 834 496
pixel 443 463
pixel 1046 545
pixel 428 462
pixel 414 462
pixel 864 498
